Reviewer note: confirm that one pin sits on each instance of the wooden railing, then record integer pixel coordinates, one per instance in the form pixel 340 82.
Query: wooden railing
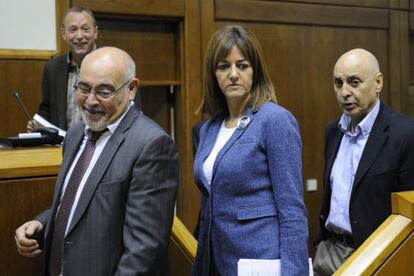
pixel 389 250
pixel 183 248
pixel 184 239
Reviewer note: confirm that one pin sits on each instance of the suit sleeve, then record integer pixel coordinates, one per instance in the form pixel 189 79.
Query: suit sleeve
pixel 43 218
pixel 284 150
pixel 407 167
pixel 150 208
pixel 44 106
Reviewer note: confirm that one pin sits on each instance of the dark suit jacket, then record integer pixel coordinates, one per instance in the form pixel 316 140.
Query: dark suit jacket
pixel 123 220
pixel 54 91
pixel 386 166
pixel 195 135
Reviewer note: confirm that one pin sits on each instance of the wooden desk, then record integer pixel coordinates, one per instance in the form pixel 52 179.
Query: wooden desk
pixel 27 180
pixel 30 162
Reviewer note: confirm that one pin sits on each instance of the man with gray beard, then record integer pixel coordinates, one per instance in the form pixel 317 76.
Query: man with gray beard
pixel 113 205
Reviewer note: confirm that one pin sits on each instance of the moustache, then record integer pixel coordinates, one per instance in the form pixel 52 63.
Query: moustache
pixel 94 110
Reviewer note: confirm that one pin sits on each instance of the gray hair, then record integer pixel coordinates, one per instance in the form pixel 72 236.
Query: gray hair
pixel 79 10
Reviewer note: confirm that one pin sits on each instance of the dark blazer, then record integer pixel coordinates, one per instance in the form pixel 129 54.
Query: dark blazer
pixel 386 166
pixel 123 220
pixel 53 104
pixel 254 206
pixel 195 135
pixel 195 139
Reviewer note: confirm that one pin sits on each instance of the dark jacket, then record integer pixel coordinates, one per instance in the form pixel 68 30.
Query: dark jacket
pixel 386 166
pixel 54 91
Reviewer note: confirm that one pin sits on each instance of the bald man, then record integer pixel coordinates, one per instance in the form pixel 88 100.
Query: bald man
pixel 113 205
pixel 369 154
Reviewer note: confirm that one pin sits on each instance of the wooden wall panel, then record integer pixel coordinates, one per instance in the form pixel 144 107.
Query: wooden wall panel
pixel 23 76
pixel 20 201
pixel 398 44
pixel 155 103
pixel 401 261
pixel 179 264
pixel 398 4
pixel 187 100
pixel 171 8
pixel 411 64
pixel 356 3
pixel 150 43
pixel 282 12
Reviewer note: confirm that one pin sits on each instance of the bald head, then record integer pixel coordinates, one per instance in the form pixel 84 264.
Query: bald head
pixel 357 83
pixel 359 58
pixel 111 59
pixel 107 84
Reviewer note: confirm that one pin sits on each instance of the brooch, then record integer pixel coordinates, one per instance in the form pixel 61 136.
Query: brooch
pixel 243 122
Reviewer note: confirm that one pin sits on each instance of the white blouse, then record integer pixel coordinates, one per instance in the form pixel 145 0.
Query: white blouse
pixel 223 136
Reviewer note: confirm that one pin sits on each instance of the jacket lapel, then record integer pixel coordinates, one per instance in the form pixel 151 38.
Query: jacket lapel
pixel 236 135
pixel 211 130
pixel 376 141
pixel 101 165
pixel 331 154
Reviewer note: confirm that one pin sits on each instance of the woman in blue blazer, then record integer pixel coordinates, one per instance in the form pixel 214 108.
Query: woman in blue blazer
pixel 248 164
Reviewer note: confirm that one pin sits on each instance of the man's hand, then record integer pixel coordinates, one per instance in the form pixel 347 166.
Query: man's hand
pixel 25 244
pixel 32 124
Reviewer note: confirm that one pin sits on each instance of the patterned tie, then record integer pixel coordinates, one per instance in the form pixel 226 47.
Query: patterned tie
pixel 59 229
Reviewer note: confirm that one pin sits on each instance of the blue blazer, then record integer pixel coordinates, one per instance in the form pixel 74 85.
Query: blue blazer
pixel 254 206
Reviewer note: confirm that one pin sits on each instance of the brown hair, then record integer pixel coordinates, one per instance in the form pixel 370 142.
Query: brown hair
pixel 220 44
pixel 78 9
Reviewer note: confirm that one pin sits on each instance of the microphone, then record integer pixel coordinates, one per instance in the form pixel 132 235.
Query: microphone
pixel 38 136
pixel 16 94
pixel 51 132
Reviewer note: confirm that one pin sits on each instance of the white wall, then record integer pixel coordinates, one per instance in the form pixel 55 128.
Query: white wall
pixel 28 24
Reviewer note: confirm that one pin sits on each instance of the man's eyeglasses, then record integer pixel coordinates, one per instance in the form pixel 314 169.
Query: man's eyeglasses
pixel 102 92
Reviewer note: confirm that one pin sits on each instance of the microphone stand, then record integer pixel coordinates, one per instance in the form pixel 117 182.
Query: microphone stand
pixel 30 118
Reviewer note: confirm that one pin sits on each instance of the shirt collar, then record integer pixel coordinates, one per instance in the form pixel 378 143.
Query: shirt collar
pixel 365 126
pixel 69 56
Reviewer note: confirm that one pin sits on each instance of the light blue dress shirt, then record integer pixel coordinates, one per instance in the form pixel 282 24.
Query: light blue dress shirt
pixel 344 169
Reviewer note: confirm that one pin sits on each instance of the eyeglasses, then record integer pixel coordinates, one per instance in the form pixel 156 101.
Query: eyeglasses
pixel 101 92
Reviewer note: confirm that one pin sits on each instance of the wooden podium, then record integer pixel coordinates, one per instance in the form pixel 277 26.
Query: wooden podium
pixel 27 181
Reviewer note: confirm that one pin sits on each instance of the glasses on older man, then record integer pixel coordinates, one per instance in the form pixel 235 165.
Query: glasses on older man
pixel 101 92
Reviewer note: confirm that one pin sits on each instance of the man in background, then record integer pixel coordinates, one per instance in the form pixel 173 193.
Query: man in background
pixel 369 154
pixel 113 205
pixel 58 103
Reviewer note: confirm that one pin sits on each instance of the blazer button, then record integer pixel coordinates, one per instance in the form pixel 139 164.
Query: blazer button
pixel 355 222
